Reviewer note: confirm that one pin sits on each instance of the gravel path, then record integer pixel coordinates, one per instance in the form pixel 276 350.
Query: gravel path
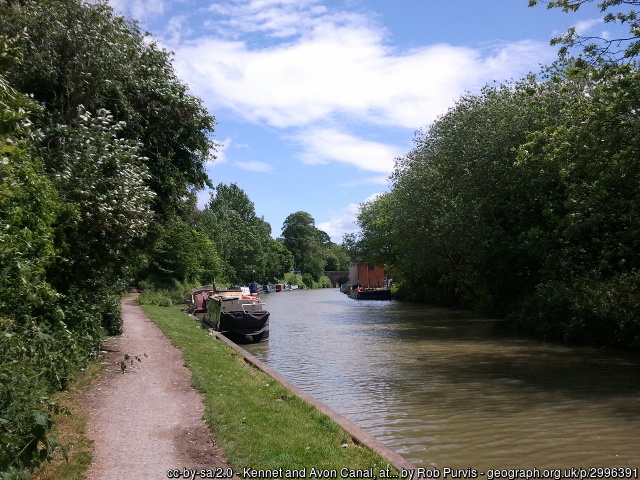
pixel 148 419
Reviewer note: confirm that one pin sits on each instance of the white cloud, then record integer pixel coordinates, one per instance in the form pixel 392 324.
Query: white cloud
pixel 343 222
pixel 304 67
pixel 344 69
pixel 585 25
pixel 254 166
pixel 323 145
pixel 139 9
pixel 275 18
pixel 375 180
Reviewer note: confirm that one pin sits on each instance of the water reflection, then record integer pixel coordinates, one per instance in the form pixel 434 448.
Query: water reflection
pixel 449 389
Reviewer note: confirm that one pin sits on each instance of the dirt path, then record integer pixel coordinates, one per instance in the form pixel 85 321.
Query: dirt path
pixel 149 419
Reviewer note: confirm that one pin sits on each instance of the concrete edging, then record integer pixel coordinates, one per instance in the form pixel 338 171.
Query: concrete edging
pixel 357 433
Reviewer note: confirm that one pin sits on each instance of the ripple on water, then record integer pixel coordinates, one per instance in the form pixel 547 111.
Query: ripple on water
pixel 444 389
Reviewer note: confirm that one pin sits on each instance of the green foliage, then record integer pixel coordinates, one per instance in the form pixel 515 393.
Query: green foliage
pixel 35 361
pixel 102 179
pixel 82 54
pixel 523 201
pixel 241 238
pixel 181 255
pixel 97 136
pixel 307 279
pixel 306 243
pixel 336 257
pixel 28 211
pixel 587 309
pixel 450 226
pixel 150 297
pixel 595 49
pixel 279 259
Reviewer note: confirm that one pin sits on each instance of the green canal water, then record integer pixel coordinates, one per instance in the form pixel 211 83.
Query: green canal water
pixel 448 389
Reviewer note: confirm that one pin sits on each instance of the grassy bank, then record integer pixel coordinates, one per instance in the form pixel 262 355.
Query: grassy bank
pixel 69 430
pixel 257 422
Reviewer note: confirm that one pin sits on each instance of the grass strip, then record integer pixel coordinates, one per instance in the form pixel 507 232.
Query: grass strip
pixel 69 430
pixel 258 423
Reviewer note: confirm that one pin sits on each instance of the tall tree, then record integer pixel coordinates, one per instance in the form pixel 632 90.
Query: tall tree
pixel 102 178
pixel 81 53
pixel 304 241
pixel 240 236
pixel 278 262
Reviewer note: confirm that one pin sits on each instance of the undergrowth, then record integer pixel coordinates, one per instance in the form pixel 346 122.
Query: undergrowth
pixel 72 461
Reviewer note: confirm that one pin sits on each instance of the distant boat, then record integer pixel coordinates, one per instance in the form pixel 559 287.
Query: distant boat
pixel 238 315
pixel 197 304
pixel 254 288
pixel 368 282
pixel 362 293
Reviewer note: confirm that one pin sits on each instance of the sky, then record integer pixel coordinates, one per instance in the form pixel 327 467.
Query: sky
pixel 315 99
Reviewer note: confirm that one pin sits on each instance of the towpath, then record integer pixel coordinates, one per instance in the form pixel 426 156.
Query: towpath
pixel 147 420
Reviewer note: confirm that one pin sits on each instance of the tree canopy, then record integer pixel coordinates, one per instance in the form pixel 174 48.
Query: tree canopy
pixel 306 243
pixel 595 48
pixel 522 200
pixel 242 239
pixel 80 55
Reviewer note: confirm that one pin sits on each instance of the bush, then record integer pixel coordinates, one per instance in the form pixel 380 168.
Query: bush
pixel 154 298
pixel 588 310
pixel 307 279
pixel 35 361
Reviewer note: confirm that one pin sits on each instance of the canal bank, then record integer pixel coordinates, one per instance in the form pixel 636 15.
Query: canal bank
pixel 259 423
pixel 358 435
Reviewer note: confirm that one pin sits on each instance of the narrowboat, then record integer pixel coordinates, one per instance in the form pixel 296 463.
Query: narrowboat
pixel 238 315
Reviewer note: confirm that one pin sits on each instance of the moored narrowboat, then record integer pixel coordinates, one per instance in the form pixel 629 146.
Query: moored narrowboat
pixel 238 315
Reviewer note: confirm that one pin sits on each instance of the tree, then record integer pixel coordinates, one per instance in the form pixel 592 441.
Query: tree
pixel 336 256
pixel 587 281
pixel 303 240
pixel 278 262
pixel 522 201
pixel 29 206
pixel 598 49
pixel 80 53
pixel 102 178
pixel 241 237
pixel 182 255
pixel 453 218
pixel 39 353
pixel 376 239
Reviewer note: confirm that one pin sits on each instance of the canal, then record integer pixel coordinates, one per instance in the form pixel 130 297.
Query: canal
pixel 451 389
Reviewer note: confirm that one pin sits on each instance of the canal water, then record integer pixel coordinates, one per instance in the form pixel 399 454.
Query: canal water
pixel 450 389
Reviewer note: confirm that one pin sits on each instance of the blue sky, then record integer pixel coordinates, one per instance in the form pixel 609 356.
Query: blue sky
pixel 315 99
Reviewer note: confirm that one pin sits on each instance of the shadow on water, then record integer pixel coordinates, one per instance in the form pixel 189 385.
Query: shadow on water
pixel 472 346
